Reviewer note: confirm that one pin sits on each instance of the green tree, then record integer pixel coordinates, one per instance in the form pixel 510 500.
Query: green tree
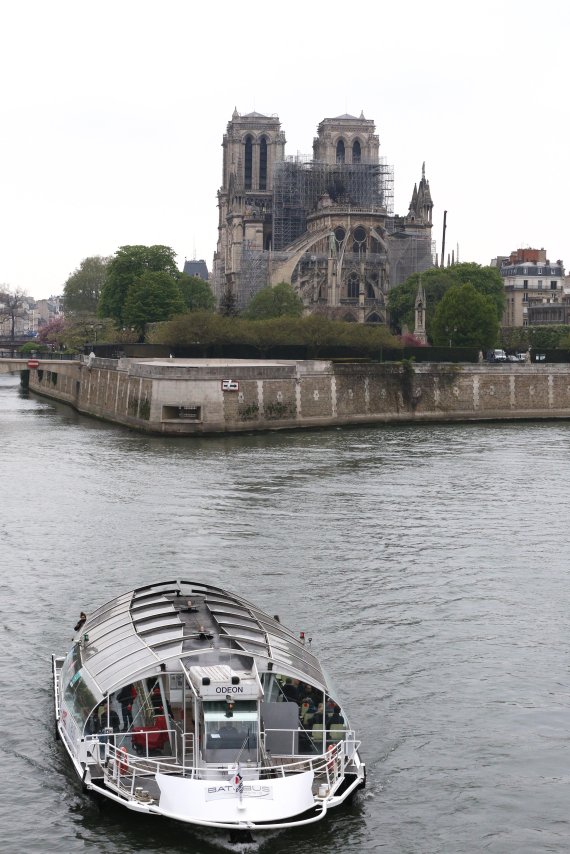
pixel 228 304
pixel 127 266
pixel 279 301
pixel 152 297
pixel 436 282
pixel 486 280
pixel 82 290
pixel 193 328
pixel 465 318
pixel 196 293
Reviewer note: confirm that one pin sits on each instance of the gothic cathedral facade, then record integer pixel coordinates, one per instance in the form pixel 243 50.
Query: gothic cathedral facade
pixel 324 224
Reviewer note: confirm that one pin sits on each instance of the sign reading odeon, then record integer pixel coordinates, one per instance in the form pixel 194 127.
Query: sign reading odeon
pixel 229 689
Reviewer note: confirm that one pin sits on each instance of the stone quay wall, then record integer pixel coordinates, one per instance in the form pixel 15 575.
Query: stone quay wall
pixel 185 397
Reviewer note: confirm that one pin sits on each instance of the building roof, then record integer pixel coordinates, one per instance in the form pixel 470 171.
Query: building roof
pixel 196 268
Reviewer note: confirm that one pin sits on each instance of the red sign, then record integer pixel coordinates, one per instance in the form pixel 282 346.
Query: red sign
pixel 33 363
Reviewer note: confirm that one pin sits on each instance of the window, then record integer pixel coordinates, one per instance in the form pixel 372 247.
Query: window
pixel 353 286
pixel 525 284
pixel 553 286
pixel 359 243
pixel 540 269
pixel 356 152
pixel 540 284
pixel 339 234
pixel 525 298
pixel 340 151
pixel 248 165
pixel 185 412
pixel 230 728
pixel 263 164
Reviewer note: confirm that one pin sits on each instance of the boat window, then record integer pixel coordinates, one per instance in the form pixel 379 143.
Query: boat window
pixel 230 729
pixel 80 696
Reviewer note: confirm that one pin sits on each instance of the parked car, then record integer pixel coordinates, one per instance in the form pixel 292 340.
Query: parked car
pixel 496 356
pixel 516 357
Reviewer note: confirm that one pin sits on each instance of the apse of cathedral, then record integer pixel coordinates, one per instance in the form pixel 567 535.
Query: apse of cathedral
pixel 324 224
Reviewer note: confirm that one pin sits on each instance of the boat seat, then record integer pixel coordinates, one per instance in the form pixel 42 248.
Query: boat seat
pixel 317 733
pixel 337 732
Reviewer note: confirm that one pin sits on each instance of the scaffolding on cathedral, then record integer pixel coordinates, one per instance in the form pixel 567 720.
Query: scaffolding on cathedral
pixel 254 274
pixel 408 253
pixel 299 183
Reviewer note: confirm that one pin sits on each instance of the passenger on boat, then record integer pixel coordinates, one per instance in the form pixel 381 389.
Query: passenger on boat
pixel 104 720
pixel 336 717
pixel 81 622
pixel 308 710
pixel 290 691
pixel 126 698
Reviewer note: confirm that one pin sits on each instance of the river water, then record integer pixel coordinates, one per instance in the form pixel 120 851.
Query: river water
pixel 428 563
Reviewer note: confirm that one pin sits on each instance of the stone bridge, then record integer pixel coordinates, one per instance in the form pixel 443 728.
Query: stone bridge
pixel 15 366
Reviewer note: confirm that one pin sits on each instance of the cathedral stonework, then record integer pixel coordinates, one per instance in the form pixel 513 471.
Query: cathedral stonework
pixel 324 225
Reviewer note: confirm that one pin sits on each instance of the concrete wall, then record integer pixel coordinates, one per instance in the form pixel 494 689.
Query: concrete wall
pixel 183 397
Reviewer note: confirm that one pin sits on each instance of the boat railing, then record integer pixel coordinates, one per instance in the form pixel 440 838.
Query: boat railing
pixel 128 772
pixel 317 740
pixel 144 744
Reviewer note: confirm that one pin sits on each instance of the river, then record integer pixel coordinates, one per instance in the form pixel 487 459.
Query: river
pixel 428 563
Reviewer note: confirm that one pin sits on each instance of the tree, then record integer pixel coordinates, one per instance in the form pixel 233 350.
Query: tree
pixel 436 282
pixel 52 332
pixel 196 293
pixel 83 288
pixel 13 304
pixel 152 297
pixel 402 298
pixel 193 328
pixel 228 304
pixel 465 318
pixel 486 280
pixel 279 301
pixel 129 264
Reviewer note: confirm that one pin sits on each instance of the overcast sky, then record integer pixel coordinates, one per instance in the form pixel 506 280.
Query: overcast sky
pixel 114 112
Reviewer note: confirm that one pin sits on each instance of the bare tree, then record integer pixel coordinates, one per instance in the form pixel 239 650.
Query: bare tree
pixel 12 306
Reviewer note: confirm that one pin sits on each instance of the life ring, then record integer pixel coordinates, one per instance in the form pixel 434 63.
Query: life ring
pixel 330 757
pixel 123 760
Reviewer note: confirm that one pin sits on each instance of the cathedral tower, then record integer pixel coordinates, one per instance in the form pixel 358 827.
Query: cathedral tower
pixel 251 145
pixel 346 139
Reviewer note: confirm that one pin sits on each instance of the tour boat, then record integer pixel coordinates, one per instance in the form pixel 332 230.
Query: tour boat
pixel 183 700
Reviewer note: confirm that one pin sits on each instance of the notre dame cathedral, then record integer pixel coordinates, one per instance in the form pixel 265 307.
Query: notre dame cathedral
pixel 323 224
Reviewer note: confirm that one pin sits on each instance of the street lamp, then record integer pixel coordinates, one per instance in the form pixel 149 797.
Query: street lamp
pixel 449 331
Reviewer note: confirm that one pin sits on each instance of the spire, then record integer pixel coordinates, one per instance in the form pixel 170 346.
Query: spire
pixel 414 202
pixel 423 171
pixel 235 114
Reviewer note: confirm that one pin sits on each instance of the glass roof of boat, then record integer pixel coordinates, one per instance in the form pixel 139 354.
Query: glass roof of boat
pixel 135 633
